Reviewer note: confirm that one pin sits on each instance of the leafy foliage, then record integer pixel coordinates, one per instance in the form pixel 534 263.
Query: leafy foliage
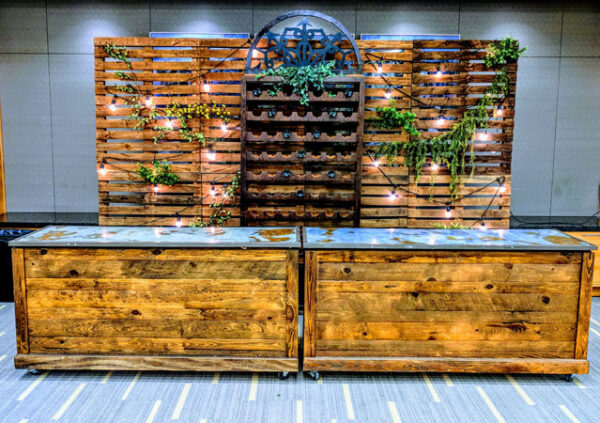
pixel 220 215
pixel 301 79
pixel 452 147
pixel 503 51
pixel 160 173
pixel 118 53
pixel 452 225
pixel 392 118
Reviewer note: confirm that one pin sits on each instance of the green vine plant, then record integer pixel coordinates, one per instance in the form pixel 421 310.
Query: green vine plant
pixel 179 118
pixel 302 79
pixel 452 147
pixel 160 173
pixel 220 214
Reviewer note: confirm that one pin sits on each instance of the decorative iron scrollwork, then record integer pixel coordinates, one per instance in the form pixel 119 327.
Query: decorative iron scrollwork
pixel 304 44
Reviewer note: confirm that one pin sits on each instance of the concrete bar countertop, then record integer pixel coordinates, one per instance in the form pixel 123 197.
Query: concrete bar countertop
pixel 442 239
pixel 160 237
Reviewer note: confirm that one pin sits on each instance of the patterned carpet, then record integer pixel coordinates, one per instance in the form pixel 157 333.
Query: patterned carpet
pixel 131 397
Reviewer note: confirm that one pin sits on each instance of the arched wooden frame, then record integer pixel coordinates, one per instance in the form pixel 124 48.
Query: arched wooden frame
pixel 302 13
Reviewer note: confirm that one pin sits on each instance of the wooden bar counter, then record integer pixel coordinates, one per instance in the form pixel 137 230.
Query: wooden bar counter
pixel 514 301
pixel 142 298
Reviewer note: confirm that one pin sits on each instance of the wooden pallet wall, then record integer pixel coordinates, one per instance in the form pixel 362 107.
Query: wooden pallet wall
pixel 167 65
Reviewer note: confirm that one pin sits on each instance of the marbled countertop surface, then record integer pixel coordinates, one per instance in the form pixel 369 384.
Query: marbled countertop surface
pixel 143 236
pixel 442 239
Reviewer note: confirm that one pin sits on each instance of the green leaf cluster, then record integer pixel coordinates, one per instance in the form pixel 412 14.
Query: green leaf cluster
pixel 502 52
pixel 160 173
pixel 118 53
pixel 302 79
pixel 220 215
pixel 392 118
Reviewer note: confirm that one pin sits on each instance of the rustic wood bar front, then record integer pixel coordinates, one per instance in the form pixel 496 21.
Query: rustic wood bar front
pixel 143 298
pixel 514 301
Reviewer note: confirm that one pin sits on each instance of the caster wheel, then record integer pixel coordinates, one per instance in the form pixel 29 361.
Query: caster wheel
pixel 314 375
pixel 283 375
pixel 568 378
pixel 33 372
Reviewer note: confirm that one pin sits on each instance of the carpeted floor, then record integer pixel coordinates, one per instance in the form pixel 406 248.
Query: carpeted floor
pixel 131 397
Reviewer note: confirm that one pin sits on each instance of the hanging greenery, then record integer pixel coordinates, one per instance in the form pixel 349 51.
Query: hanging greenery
pixel 144 112
pixel 452 147
pixel 302 79
pixel 220 215
pixel 392 118
pixel 159 174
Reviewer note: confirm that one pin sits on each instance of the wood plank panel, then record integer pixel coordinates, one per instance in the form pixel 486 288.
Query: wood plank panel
pixel 410 69
pixel 406 308
pixel 194 302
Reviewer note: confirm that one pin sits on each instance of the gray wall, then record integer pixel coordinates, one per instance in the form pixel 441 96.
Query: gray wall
pixel 46 85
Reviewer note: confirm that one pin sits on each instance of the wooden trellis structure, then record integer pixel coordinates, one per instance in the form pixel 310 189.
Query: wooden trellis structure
pixel 178 70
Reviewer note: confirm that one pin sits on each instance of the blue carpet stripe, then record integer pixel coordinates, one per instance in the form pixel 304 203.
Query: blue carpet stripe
pixel 377 398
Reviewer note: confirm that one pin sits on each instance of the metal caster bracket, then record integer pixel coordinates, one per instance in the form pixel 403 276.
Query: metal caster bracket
pixel 568 378
pixel 283 375
pixel 33 372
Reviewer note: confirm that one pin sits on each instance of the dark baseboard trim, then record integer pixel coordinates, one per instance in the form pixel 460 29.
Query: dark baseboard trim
pixel 563 223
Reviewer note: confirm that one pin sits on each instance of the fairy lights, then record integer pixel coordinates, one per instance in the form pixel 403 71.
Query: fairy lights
pixel 211 155
pixel 388 94
pixel 379 68
pixel 438 74
pixel 112 107
pixel 149 102
pixel 448 213
pixel 178 223
pixel 393 196
pixel 101 170
pixel 155 188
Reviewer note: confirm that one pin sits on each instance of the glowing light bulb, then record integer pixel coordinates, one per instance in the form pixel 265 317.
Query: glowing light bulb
pixel 379 68
pixel 156 232
pixel 101 170
pixel 149 102
pixel 212 229
pixel 441 121
pixel 434 167
pixel 448 213
pixel 502 188
pixel 254 54
pixel 376 163
pixel 223 127
pixel 155 188
pixel 169 123
pixel 211 155
pixel 484 136
pixel 112 107
pixel 178 223
pixel 438 74
pixel 393 196
pixel 483 227
pixel 388 94
pixel 206 86
pixel 213 191
pixel 499 112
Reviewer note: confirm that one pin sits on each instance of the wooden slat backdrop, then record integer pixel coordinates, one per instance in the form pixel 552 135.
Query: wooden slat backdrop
pixel 409 66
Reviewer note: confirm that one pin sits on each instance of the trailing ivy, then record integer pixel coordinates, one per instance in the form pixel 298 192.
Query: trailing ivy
pixel 452 147
pixel 160 173
pixel 118 53
pixel 302 79
pixel 220 215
